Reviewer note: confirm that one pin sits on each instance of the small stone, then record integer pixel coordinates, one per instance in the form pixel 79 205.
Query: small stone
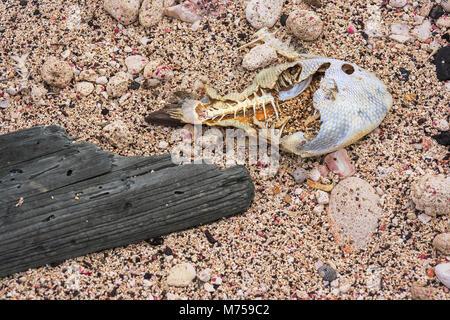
pixel 305 25
pixel 124 11
pixel 181 275
pixel 339 162
pixel 117 85
pixel 117 134
pixel 443 273
pixel 314 174
pixel 127 49
pixel 300 175
pixel 442 63
pixel 135 85
pixel 151 12
pixel 419 292
pixel 56 72
pixel 443 22
pixel 150 68
pixel 37 93
pixel 259 57
pixel 334 283
pixel 318 209
pixel 314 3
pixel 88 75
pixel 217 281
pixel 436 12
pixel 327 273
pixel 84 88
pixel 151 83
pixel 430 193
pixel 425 9
pixel 101 80
pixel 322 197
pixel 424 218
pixel 163 145
pixel 135 63
pixel 263 13
pixel 442 243
pixel 208 287
pixel 400 32
pixel 162 73
pixel 187 12
pixel 423 32
pixel 205 275
pixel 398 3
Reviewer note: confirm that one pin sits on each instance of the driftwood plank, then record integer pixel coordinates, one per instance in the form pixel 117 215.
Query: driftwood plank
pixel 79 199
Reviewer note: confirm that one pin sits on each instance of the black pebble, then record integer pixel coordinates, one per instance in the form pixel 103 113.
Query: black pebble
pixel 443 138
pixel 105 111
pixel 23 3
pixel 156 241
pixel 147 276
pixel 405 74
pixel 210 237
pixel 168 251
pixel 436 12
pixel 327 273
pixel 135 85
pixel 36 12
pixel 241 36
pixel 283 19
pixel 442 63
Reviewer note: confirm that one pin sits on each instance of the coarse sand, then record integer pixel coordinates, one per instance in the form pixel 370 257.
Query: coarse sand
pixel 272 251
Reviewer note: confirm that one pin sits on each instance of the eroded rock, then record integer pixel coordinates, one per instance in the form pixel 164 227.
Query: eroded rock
pixel 124 11
pixel 431 193
pixel 56 72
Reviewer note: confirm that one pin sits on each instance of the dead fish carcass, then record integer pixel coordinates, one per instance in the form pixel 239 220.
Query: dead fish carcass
pixel 350 101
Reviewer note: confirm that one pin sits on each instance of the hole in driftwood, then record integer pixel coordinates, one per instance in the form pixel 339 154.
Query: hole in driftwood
pixel 49 218
pixel 69 173
pixel 16 171
pixel 127 205
pixel 348 69
pixel 179 192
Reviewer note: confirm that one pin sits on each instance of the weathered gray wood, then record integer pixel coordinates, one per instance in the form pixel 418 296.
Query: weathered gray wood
pixel 79 199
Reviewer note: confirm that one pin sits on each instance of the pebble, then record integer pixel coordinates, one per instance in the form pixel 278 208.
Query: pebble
pixel 430 193
pixel 150 68
pixel 259 57
pixel 373 24
pixel 398 3
pixel 355 210
pixel 101 80
pixel 327 273
pixel 322 197
pixel 424 218
pixel 151 12
pixel 300 175
pixel 162 73
pixel 436 12
pixel 124 11
pixel 135 64
pixel 318 209
pixel 263 13
pixel 442 243
pixel 181 275
pixel 118 134
pixel 84 88
pixel 423 32
pixel 400 32
pixel 443 22
pixel 117 85
pixel 442 63
pixel 314 174
pixel 186 12
pixel 314 3
pixel 419 292
pixel 208 287
pixel 163 145
pixel 56 72
pixel 88 75
pixel 339 162
pixel 205 275
pixel 442 272
pixel 305 25
pixel 217 280
pixel 425 9
pixel 37 93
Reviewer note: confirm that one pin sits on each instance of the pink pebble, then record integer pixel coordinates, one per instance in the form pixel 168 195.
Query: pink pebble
pixel 339 162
